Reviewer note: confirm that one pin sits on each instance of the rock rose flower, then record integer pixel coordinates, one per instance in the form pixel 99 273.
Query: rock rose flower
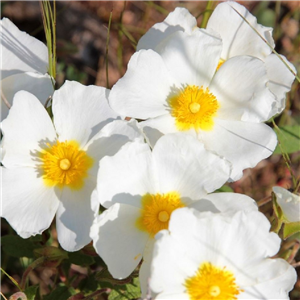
pixel 206 256
pixel 177 88
pixel 50 168
pixel 141 189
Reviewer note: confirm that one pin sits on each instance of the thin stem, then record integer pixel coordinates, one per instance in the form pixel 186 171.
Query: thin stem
pixel 32 266
pixel 208 11
pixel 272 49
pixel 106 50
pixel 264 201
pixel 12 279
pixel 294 252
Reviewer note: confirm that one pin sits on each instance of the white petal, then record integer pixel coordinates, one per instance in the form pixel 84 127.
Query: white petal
pixel 274 277
pixel 230 203
pixel 143 91
pixel 80 112
pixel 289 203
pixel 118 241
pixel 75 216
pixel 27 204
pixel 166 273
pixel 191 59
pixel 144 274
pixel 34 83
pixel 178 20
pixel 280 80
pixel 184 165
pixel 26 130
pixel 155 128
pixel 110 140
pixel 237 36
pixel 21 52
pixel 240 88
pixel 243 144
pixel 126 176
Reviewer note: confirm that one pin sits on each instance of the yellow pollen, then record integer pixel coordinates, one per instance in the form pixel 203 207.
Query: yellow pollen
pixel 212 283
pixel 163 216
pixel 64 164
pixel 221 62
pixel 194 108
pixel 156 211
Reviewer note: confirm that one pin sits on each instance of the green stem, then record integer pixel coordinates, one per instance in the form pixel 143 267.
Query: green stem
pixel 207 13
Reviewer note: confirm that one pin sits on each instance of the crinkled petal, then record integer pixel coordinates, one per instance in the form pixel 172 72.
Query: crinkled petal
pixel 143 91
pixel 155 128
pixel 75 215
pixel 21 52
pixel 243 144
pixel 230 203
pixel 191 59
pixel 80 112
pixel 280 80
pixel 26 130
pixel 240 86
pixel 144 274
pixel 274 277
pixel 167 275
pixel 117 239
pixel 237 36
pixel 126 176
pixel 37 84
pixel 178 20
pixel 182 164
pixel 27 204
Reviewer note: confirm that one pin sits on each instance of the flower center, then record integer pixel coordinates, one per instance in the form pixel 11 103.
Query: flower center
pixel 64 164
pixel 156 211
pixel 194 107
pixel 212 283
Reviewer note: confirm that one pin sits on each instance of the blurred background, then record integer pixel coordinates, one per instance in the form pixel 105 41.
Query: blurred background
pixel 82 30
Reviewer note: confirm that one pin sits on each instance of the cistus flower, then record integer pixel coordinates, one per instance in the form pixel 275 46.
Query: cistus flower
pixel 177 88
pixel 24 66
pixel 141 189
pixel 50 168
pixel 206 256
pixel 238 37
pixel 289 204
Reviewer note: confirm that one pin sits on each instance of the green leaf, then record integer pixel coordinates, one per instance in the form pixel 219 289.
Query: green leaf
pixel 15 246
pixel 78 258
pixel 126 292
pixel 31 292
pixel 289 138
pixel 60 293
pixel 290 229
pixel 225 189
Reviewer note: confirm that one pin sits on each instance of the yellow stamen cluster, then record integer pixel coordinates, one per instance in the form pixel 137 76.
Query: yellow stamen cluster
pixel 212 283
pixel 156 211
pixel 64 164
pixel 194 108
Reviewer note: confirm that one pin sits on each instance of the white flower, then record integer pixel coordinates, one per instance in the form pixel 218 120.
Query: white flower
pixel 289 204
pixel 51 168
pixel 24 65
pixel 209 256
pixel 141 189
pixel 176 88
pixel 238 39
